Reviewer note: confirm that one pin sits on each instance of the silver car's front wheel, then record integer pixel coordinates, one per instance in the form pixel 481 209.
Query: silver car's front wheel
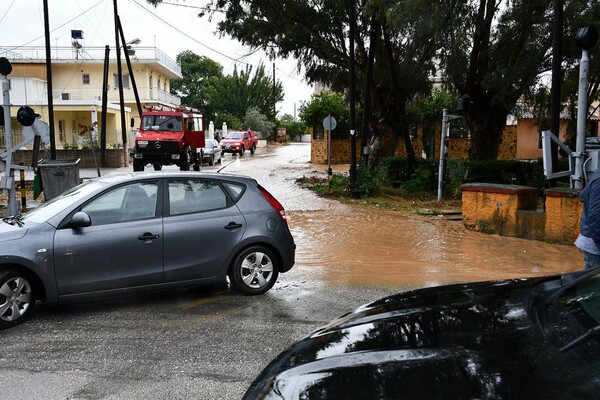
pixel 16 298
pixel 254 271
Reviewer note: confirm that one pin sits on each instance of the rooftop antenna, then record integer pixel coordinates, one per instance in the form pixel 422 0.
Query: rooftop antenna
pixel 77 42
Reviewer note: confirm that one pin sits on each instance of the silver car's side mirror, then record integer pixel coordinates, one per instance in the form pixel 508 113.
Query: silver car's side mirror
pixel 80 220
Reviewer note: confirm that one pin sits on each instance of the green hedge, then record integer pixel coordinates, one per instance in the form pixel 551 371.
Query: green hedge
pixel 394 172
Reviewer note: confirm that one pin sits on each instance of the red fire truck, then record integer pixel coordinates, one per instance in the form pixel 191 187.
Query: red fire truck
pixel 169 136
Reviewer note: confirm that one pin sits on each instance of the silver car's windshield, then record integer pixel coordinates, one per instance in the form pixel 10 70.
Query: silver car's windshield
pixel 50 208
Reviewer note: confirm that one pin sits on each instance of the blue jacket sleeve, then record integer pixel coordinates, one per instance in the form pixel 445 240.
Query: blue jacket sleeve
pixel 593 214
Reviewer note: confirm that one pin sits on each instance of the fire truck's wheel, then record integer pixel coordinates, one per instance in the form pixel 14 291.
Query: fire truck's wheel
pixel 138 165
pixel 254 270
pixel 253 149
pixel 157 167
pixel 185 160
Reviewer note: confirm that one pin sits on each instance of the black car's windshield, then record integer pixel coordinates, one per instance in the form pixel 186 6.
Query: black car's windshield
pixel 52 207
pixel 581 301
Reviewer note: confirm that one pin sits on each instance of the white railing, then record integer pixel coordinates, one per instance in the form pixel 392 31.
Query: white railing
pixel 146 95
pixel 38 53
pixel 70 139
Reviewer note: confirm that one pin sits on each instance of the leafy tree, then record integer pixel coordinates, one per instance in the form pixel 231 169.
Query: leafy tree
pixel 495 51
pixel 322 105
pixel 232 121
pixel 235 94
pixel 294 129
pixel 256 121
pixel 197 71
pixel 426 112
pixel 315 33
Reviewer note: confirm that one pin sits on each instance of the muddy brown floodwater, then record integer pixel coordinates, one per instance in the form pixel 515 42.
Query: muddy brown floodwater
pixel 354 245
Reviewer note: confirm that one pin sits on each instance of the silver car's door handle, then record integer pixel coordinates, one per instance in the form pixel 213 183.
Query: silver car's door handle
pixel 146 237
pixel 233 225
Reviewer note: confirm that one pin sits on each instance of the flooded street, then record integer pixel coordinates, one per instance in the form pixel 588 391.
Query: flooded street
pixel 352 245
pixel 211 342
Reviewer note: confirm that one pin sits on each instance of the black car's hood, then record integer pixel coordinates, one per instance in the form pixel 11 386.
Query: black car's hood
pixel 461 341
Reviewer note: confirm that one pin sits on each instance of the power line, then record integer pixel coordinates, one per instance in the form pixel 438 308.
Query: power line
pixel 9 7
pixel 188 36
pixel 236 60
pixel 60 26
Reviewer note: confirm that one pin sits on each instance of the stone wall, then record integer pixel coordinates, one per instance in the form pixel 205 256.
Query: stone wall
pixel 458 149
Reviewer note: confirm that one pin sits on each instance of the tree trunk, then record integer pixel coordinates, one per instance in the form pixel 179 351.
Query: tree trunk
pixel 486 133
pixel 383 144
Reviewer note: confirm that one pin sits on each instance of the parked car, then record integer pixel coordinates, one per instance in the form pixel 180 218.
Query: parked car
pixel 212 152
pixel 239 142
pixel 128 233
pixel 531 338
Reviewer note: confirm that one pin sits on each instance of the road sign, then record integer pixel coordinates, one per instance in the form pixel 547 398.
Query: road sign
pixel 329 123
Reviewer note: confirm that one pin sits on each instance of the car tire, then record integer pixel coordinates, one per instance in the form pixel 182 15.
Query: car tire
pixel 157 167
pixel 211 162
pixel 17 297
pixel 242 151
pixel 253 149
pixel 254 270
pixel 138 165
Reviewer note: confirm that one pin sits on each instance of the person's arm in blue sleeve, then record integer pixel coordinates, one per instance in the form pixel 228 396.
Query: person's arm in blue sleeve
pixel 593 215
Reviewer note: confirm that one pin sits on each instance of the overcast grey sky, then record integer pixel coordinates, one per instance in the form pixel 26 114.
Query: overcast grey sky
pixel 170 27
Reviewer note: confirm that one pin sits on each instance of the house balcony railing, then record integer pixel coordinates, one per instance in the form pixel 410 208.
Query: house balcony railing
pixel 146 95
pixel 144 55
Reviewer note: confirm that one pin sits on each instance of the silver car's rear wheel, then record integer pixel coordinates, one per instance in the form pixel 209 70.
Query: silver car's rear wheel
pixel 16 297
pixel 254 271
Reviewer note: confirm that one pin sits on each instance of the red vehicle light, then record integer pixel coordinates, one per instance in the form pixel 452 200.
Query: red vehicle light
pixel 273 201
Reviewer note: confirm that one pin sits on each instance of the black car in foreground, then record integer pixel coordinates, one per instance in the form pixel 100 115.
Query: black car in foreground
pixel 535 338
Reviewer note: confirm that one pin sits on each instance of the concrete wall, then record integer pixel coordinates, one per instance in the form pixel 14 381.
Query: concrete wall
pixel 511 210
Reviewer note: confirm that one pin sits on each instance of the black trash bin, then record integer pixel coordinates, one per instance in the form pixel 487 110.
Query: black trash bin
pixel 58 176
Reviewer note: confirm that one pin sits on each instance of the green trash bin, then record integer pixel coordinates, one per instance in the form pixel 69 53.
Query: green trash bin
pixel 58 176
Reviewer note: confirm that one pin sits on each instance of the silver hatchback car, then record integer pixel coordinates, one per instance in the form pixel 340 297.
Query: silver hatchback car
pixel 137 232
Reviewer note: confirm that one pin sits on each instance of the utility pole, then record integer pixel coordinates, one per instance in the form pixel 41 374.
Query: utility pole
pixel 49 82
pixel 352 97
pixel 120 78
pixel 555 105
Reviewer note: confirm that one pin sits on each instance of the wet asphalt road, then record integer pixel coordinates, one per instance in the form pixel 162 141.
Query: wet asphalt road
pixel 206 343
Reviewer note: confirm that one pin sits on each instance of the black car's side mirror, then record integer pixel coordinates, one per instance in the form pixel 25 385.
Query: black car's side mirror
pixel 80 220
